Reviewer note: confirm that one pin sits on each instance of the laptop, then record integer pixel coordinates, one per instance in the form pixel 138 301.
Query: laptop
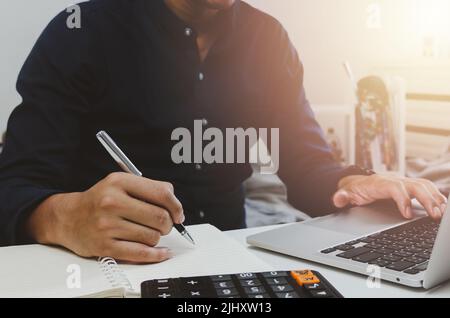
pixel 413 253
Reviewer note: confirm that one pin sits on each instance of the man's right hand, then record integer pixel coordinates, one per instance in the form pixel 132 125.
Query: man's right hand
pixel 122 216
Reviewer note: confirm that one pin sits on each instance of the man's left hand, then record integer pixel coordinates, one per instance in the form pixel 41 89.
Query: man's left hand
pixel 364 190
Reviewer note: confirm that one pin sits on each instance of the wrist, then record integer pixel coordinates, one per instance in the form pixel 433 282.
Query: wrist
pixel 354 173
pixel 349 179
pixel 49 224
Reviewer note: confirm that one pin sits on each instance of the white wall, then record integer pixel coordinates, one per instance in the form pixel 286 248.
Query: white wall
pixel 21 22
pixel 326 32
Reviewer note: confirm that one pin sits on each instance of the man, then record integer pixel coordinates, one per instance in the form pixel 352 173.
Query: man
pixel 139 69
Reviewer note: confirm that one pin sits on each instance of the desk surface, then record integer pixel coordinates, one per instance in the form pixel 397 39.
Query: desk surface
pixel 349 284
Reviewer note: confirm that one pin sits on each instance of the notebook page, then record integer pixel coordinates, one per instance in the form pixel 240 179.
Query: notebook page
pixel 214 254
pixel 41 271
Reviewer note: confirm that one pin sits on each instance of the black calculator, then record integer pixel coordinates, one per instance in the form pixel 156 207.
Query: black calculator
pixel 284 284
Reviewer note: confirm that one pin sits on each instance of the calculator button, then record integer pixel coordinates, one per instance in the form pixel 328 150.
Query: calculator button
pixel 276 281
pixel 314 287
pixel 162 288
pixel 192 282
pixel 275 274
pixel 282 288
pixel 227 292
pixel 259 296
pixel 246 276
pixel 198 294
pixel 220 278
pixel 165 295
pixel 219 285
pixel 305 277
pixel 321 294
pixel 250 282
pixel 287 295
pixel 254 290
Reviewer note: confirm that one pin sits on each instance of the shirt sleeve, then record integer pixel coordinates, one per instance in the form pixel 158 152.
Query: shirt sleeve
pixel 57 86
pixel 307 166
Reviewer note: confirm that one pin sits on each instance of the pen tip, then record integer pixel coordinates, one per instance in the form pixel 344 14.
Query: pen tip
pixel 190 239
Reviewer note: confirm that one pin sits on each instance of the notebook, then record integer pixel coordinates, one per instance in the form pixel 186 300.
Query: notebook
pixel 41 271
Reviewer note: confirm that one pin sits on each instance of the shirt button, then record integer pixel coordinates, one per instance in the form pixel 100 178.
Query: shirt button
pixel 188 31
pixel 201 214
pixel 201 76
pixel 198 167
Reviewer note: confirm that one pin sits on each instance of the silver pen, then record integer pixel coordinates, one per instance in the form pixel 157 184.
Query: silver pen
pixel 127 166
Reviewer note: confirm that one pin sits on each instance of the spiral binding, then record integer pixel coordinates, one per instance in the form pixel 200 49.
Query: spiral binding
pixel 114 274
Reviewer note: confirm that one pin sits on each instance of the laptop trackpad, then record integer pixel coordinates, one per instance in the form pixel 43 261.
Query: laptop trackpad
pixel 361 221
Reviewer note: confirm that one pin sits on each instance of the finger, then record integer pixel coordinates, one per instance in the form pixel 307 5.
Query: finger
pixel 131 232
pixel 148 215
pixel 399 194
pixel 440 199
pixel 426 199
pixel 341 199
pixel 156 192
pixel 138 253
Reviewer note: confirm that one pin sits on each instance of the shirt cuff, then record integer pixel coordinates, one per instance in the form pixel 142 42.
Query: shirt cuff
pixel 32 198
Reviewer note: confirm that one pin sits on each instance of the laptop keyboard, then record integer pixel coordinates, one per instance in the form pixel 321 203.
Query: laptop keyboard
pixel 406 248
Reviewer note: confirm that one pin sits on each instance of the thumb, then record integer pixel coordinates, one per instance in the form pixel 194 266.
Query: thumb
pixel 341 199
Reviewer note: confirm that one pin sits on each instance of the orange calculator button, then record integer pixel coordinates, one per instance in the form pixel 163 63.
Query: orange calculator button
pixel 305 277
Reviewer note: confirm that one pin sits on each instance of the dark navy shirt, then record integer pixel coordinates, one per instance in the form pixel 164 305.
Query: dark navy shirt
pixel 133 69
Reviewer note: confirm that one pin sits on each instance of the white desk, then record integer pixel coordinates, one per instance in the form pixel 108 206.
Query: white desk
pixel 349 284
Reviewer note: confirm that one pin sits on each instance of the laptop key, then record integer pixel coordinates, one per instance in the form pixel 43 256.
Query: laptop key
pixel 354 252
pixel 415 260
pixel 414 249
pixel 367 240
pixel 391 258
pixel 424 255
pixel 328 251
pixel 422 267
pixel 368 257
pixel 384 251
pixel 380 263
pixel 344 247
pixel 403 254
pixel 412 271
pixel 374 246
pixel 400 266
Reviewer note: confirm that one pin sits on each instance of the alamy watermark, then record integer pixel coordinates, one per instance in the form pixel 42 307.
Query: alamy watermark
pixel 373 20
pixel 73 21
pixel 73 280
pixel 234 146
pixel 374 279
